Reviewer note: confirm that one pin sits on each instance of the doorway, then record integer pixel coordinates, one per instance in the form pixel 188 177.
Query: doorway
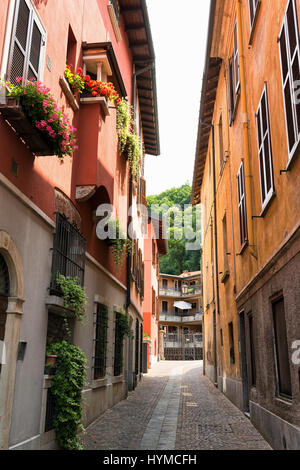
pixel 245 378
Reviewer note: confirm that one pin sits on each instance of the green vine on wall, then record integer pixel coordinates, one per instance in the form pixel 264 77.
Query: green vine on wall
pixel 129 141
pixel 74 297
pixel 120 244
pixel 66 387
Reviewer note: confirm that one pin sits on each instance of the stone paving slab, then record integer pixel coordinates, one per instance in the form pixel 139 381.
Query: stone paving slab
pixel 174 407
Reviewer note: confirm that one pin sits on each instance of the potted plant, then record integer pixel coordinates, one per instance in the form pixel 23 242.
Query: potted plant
pixel 33 113
pixel 117 240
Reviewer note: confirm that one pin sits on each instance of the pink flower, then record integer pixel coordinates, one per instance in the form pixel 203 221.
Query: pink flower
pixel 19 79
pixel 75 147
pixel 43 123
pixel 50 120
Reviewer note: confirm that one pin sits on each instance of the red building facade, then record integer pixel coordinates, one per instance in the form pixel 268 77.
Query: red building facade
pixel 48 210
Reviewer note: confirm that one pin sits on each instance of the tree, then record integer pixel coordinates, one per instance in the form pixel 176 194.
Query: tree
pixel 178 258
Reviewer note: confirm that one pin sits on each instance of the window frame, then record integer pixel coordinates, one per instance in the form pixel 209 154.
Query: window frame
pixel 256 7
pixel 101 328
pixel 11 39
pixel 242 202
pixel 284 29
pixel 279 377
pixel 261 148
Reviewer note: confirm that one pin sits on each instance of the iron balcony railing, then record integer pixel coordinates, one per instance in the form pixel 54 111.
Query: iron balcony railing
pixel 183 292
pixel 181 317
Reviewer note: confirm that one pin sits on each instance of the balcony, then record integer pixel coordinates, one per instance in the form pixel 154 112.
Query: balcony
pixel 182 292
pixel 183 341
pixel 175 317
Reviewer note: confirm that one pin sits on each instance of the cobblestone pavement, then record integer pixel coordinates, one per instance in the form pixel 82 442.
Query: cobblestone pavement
pixel 174 407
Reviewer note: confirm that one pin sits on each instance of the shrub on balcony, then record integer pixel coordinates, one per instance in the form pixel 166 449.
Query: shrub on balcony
pixel 74 295
pixel 66 387
pixel 120 244
pixel 75 80
pixel 42 111
pixel 129 142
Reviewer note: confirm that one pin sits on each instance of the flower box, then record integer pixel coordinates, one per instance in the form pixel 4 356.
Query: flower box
pixel 13 113
pixel 69 94
pixel 97 99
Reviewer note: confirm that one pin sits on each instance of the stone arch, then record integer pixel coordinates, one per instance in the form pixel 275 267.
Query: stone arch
pixel 14 313
pixel 12 258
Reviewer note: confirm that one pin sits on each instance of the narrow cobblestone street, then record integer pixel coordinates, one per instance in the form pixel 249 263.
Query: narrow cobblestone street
pixel 174 408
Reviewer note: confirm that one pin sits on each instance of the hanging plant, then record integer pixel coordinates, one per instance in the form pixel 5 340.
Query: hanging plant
pixel 66 388
pixel 124 325
pixel 129 142
pixel 123 121
pixel 42 111
pixel 74 297
pixel 120 244
pixel 134 153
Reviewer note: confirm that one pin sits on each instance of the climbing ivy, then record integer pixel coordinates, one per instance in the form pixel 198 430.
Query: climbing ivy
pixel 66 388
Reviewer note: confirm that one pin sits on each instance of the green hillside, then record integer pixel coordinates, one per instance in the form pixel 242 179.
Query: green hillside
pixel 178 258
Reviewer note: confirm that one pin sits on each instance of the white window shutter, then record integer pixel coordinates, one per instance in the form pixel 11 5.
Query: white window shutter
pixel 19 44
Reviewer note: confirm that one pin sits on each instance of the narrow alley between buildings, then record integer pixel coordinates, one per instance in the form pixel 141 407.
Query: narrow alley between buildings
pixel 175 407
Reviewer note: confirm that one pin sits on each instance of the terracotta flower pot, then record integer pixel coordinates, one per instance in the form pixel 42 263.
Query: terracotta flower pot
pixel 51 360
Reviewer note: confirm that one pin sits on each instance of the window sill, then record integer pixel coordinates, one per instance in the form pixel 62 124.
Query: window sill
pixel 97 100
pixel 68 93
pixel 267 205
pixel 284 401
pixel 98 383
pixel 117 379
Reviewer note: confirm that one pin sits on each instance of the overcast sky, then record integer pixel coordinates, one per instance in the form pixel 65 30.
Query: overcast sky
pixel 179 31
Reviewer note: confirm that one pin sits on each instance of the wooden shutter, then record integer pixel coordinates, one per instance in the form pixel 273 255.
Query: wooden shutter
pixel 143 192
pixel 27 43
pixel 230 91
pixel 20 40
pixel 236 60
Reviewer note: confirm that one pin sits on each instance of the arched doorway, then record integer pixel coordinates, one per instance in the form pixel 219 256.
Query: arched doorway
pixel 11 311
pixel 4 294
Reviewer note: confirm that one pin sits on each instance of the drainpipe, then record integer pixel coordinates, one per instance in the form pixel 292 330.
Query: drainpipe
pixel 216 250
pixel 216 258
pixel 246 136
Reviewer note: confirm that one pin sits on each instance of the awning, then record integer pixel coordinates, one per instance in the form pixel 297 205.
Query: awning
pixel 183 305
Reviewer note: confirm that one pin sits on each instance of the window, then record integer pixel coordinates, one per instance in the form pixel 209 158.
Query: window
pixel 27 43
pixel 60 328
pixel 153 301
pixel 118 356
pixel 252 352
pixel 221 144
pixel 164 306
pixel 242 205
pixel 137 344
pixel 153 252
pixel 68 252
pixel 231 343
pixel 290 62
pixel 221 337
pixel 234 77
pixel 264 149
pixel 71 48
pixel 225 247
pixel 100 341
pixel 165 283
pixel 253 11
pixel 282 350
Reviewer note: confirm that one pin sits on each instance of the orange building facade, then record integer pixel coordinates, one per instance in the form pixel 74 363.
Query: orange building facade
pixel 48 210
pixel 247 171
